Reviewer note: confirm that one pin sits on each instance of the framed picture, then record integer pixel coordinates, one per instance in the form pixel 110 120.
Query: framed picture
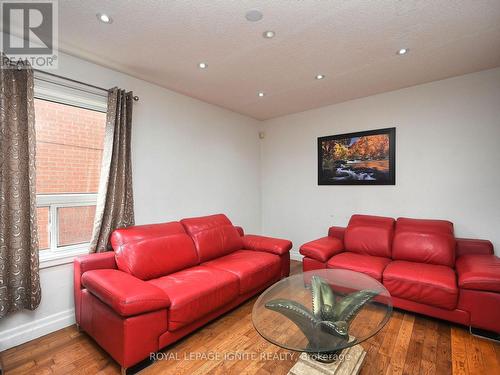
pixel 362 158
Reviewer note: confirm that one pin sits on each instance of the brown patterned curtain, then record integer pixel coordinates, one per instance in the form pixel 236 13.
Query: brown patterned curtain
pixel 115 203
pixel 19 278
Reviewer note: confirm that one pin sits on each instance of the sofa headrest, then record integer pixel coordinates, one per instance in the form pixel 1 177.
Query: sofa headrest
pixel 424 241
pixel 370 235
pixel 140 232
pixel 425 225
pixel 213 236
pixel 152 251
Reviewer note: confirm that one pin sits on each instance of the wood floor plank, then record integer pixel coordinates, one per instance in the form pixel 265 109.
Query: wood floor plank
pixel 429 349
pixel 459 351
pixel 443 350
pixel 415 348
pixel 489 355
pixel 403 338
pixel 407 344
pixel 475 362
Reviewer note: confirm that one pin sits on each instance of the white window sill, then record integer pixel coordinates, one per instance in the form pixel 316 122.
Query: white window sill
pixel 52 258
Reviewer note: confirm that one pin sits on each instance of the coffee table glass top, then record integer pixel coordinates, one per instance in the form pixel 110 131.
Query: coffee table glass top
pixel 349 307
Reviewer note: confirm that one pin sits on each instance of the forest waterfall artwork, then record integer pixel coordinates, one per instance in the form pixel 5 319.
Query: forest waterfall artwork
pixel 362 158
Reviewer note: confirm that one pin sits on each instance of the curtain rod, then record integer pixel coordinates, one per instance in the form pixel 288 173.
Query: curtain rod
pixel 136 98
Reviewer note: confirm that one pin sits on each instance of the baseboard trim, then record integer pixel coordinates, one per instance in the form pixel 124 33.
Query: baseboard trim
pixel 37 328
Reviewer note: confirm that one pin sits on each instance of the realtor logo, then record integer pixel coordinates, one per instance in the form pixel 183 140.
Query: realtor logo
pixel 29 32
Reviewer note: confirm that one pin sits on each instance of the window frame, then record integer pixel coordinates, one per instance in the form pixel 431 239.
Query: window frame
pixel 66 92
pixel 53 202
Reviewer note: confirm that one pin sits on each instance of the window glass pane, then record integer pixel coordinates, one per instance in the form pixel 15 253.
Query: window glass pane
pixel 75 224
pixel 42 217
pixel 69 144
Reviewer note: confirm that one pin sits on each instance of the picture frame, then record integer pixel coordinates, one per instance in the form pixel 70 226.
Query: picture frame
pixel 359 158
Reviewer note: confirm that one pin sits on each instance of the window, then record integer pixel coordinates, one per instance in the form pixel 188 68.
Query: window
pixel 69 147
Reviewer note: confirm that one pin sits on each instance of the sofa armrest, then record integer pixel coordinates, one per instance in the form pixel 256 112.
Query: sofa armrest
pixel 240 230
pixel 125 294
pixel 86 263
pixel 268 244
pixel 322 249
pixel 337 232
pixel 471 246
pixel 95 261
pixel 479 272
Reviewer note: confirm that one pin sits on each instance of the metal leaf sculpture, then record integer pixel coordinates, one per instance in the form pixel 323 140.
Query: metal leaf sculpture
pixel 327 325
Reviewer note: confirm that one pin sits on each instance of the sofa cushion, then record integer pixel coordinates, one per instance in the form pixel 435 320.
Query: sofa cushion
pixel 253 268
pixel 424 241
pixel 479 272
pixel 152 256
pixel 156 257
pixel 195 292
pixel 369 235
pixel 214 236
pixel 367 264
pixel 423 283
pixel 140 232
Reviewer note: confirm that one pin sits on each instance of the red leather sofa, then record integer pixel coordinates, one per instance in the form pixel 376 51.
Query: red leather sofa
pixel 163 281
pixel 421 263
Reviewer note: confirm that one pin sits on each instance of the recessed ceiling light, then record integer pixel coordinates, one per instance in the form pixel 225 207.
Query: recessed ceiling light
pixel 403 51
pixel 104 18
pixel 202 65
pixel 320 76
pixel 261 94
pixel 268 34
pixel 253 15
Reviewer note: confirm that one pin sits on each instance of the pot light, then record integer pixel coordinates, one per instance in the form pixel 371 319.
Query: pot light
pixel 268 34
pixel 319 76
pixel 202 65
pixel 253 15
pixel 104 18
pixel 403 51
pixel 261 94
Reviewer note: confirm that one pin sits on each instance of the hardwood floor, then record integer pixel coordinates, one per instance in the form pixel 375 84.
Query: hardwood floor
pixel 408 344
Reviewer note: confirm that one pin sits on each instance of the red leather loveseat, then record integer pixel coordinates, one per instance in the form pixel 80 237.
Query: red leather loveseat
pixel 162 281
pixel 421 263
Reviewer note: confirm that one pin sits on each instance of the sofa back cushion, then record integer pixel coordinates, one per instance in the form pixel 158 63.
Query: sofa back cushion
pixel 152 251
pixel 369 235
pixel 424 241
pixel 213 236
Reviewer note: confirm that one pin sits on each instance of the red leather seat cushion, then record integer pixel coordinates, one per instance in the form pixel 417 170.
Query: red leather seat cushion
pixel 423 283
pixel 424 241
pixel 322 249
pixel 195 292
pixel 479 272
pixel 369 235
pixel 367 264
pixel 253 268
pixel 213 236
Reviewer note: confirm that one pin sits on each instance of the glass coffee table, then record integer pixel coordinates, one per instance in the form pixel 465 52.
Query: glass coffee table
pixel 324 314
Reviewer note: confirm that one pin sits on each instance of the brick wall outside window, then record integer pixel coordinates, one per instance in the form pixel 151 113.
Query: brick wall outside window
pixel 69 145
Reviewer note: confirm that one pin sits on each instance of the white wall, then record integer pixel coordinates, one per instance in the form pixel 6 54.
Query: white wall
pixel 447 161
pixel 189 158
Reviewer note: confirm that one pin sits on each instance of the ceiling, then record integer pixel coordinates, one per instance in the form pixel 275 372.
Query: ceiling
pixel 353 43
